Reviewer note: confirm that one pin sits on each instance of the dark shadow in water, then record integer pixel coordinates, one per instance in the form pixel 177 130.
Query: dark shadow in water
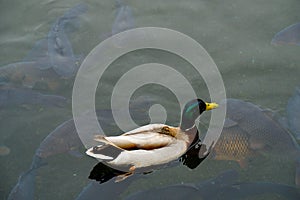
pixel 104 173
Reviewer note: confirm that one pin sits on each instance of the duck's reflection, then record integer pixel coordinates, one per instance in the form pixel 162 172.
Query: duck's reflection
pixel 103 173
pixel 194 156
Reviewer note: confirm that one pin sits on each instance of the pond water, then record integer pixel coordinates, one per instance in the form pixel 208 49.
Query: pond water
pixel 43 43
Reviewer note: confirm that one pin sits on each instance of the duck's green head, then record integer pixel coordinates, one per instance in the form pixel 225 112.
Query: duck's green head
pixel 192 111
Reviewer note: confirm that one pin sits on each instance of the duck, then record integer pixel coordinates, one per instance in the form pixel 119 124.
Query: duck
pixel 152 144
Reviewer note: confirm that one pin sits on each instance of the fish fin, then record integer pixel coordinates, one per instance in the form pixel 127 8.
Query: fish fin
pixel 256 144
pixel 39 53
pixel 75 153
pixel 243 163
pixel 229 123
pixel 66 68
pixel 269 113
pixel 274 116
pixel 227 177
pixel 70 17
pixel 75 11
pixel 287 36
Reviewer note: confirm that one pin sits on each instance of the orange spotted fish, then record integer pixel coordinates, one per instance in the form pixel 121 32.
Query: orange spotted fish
pixel 250 131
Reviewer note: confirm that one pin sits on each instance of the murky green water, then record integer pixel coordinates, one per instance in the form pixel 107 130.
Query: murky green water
pixel 236 34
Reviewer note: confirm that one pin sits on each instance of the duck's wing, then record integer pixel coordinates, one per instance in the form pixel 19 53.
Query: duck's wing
pixel 147 137
pixel 146 128
pixel 146 140
pixel 113 146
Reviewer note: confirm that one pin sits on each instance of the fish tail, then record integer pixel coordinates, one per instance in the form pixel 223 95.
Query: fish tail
pixel 75 11
pixel 119 3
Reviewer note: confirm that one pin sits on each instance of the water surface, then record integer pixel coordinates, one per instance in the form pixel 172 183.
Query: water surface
pixel 237 35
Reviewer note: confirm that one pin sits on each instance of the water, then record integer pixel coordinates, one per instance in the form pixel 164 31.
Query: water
pixel 236 34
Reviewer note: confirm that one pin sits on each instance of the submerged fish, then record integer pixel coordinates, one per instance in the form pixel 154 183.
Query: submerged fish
pixel 24 189
pixel 39 54
pixel 50 59
pixel 266 133
pixel 289 35
pixel 60 49
pixel 113 190
pixel 27 74
pixel 20 96
pixel 188 190
pixel 233 144
pixel 253 189
pixel 249 130
pixel 64 138
pixel 293 113
pixel 57 34
pixel 224 186
pixel 108 190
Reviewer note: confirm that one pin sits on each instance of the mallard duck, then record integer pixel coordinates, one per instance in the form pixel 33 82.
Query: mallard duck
pixel 150 145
